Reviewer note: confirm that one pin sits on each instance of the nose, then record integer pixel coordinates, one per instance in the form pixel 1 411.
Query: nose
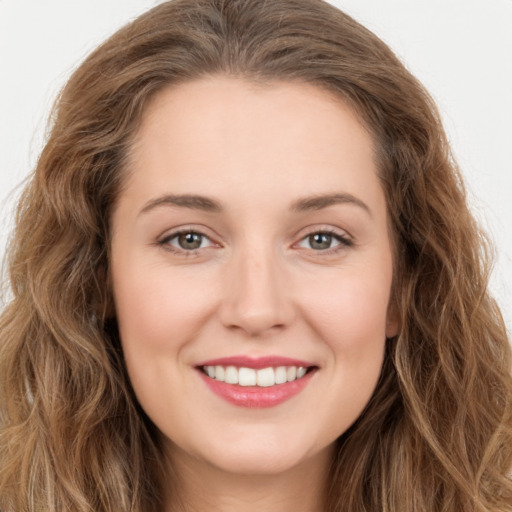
pixel 256 295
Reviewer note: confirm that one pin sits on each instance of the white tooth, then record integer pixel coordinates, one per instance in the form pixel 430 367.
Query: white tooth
pixel 210 370
pixel 219 373
pixel 301 371
pixel 265 377
pixel 281 377
pixel 246 377
pixel 291 373
pixel 231 375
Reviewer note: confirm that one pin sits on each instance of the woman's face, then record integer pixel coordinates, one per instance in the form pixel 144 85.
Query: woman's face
pixel 250 242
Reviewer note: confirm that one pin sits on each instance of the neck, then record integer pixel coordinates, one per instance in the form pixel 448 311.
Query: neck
pixel 202 487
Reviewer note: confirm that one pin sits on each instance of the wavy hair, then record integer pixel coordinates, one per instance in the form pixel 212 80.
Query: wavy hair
pixel 437 433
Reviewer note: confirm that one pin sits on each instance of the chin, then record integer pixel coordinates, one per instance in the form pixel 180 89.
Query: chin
pixel 256 464
pixel 262 453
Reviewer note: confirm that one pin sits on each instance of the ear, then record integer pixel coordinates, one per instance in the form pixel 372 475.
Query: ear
pixel 393 321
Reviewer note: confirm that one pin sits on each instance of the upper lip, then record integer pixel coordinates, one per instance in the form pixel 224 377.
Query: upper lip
pixel 256 362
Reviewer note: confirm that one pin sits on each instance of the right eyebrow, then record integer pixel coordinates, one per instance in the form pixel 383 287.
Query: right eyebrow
pixel 194 202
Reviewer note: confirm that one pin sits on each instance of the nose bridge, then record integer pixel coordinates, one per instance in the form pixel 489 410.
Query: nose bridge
pixel 255 297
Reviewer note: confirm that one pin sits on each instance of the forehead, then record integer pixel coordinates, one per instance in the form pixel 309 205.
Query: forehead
pixel 220 133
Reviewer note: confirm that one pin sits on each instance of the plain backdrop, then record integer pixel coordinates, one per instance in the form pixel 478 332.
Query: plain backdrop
pixel 460 49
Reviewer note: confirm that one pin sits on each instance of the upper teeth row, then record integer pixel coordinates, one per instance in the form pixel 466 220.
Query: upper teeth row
pixel 251 377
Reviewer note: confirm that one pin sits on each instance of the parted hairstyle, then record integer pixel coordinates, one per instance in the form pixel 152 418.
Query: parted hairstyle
pixel 437 433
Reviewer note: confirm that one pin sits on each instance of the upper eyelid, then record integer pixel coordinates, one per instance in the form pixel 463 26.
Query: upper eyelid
pixel 344 241
pixel 171 233
pixel 331 230
pixel 187 231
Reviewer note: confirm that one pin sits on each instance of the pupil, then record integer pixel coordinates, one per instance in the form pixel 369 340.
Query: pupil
pixel 320 241
pixel 190 241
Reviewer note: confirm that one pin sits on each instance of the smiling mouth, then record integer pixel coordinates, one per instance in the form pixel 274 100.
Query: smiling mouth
pixel 262 377
pixel 256 382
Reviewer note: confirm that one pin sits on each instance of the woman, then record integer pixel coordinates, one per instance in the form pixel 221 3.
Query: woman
pixel 244 276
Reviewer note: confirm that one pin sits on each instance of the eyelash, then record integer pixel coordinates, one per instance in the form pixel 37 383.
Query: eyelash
pixel 344 242
pixel 164 242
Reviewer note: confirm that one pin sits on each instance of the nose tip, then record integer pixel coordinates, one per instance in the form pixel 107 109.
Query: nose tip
pixel 255 323
pixel 255 299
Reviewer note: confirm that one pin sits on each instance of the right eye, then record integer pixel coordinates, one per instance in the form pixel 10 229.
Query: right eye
pixel 186 241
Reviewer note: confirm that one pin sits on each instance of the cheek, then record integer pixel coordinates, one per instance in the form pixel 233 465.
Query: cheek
pixel 351 311
pixel 350 319
pixel 158 315
pixel 154 308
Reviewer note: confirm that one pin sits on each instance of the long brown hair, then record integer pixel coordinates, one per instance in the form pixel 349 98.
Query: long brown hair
pixel 437 434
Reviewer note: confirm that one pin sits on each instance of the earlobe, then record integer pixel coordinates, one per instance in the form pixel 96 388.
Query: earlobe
pixel 392 330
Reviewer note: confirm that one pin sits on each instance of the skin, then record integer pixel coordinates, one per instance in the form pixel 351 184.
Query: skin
pixel 256 286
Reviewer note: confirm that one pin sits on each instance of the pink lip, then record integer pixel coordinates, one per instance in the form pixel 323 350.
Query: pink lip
pixel 255 362
pixel 255 396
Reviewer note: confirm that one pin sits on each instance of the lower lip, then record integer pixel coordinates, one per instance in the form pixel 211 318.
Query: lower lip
pixel 257 397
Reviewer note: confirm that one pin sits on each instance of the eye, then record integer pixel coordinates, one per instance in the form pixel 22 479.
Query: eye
pixel 323 241
pixel 186 241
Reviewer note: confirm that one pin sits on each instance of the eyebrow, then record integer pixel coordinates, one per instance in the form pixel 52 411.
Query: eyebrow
pixel 319 202
pixel 193 202
pixel 207 204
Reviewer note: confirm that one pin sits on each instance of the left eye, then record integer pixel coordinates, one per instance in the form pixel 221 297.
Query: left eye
pixel 188 241
pixel 321 241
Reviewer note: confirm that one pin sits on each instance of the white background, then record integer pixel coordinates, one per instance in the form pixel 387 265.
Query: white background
pixel 460 49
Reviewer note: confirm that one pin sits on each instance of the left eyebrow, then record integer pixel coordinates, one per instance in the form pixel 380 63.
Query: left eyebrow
pixel 318 202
